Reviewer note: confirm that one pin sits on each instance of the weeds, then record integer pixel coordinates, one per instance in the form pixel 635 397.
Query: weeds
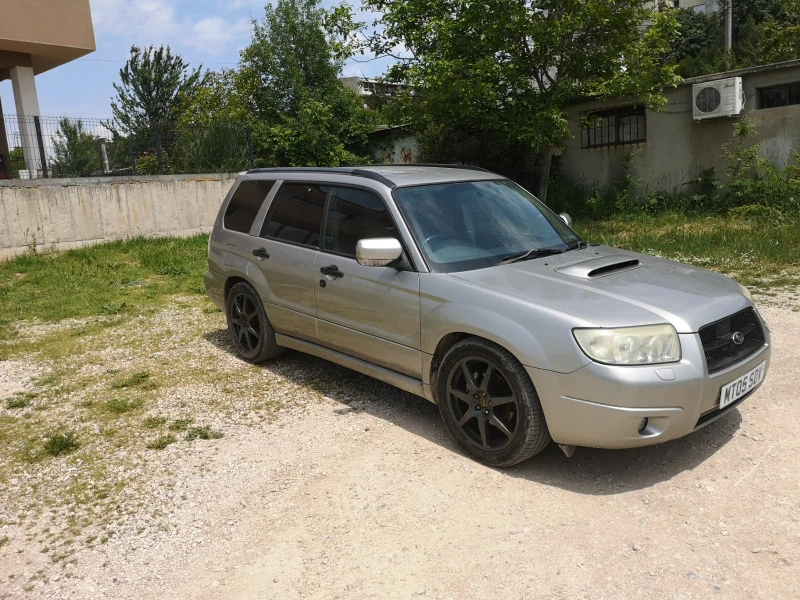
pixel 120 406
pixel 21 400
pixel 202 433
pixel 180 424
pixel 154 422
pixel 140 379
pixel 162 442
pixel 60 442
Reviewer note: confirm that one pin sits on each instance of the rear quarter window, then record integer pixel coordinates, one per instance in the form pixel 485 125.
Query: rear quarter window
pixel 245 204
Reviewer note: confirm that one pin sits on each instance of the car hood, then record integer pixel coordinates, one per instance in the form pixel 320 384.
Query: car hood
pixel 616 288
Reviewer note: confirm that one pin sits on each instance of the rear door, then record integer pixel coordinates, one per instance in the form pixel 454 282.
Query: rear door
pixel 367 312
pixel 285 251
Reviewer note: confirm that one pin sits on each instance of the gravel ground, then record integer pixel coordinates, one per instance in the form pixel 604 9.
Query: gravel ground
pixel 342 487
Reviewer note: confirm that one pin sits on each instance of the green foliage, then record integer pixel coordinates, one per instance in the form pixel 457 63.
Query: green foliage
pixel 499 74
pixel 219 145
pixel 288 79
pixel 120 406
pixel 202 433
pixel 60 442
pixel 17 157
pixel 155 85
pixel 77 152
pixel 162 442
pixel 764 31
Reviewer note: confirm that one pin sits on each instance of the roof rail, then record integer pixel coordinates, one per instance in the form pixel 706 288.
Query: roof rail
pixel 440 165
pixel 358 172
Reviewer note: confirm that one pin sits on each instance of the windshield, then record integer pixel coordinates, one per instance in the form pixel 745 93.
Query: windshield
pixel 474 224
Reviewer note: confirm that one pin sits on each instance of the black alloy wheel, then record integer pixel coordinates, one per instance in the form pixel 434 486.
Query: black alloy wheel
pixel 489 404
pixel 250 330
pixel 482 403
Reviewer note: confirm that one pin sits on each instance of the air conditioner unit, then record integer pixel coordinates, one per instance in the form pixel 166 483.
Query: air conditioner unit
pixel 721 98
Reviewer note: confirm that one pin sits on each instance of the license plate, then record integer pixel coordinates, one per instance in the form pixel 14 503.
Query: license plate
pixel 737 388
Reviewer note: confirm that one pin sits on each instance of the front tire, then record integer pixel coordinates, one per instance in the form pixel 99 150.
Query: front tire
pixel 249 328
pixel 489 405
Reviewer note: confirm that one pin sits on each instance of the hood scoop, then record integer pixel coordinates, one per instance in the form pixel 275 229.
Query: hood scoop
pixel 598 267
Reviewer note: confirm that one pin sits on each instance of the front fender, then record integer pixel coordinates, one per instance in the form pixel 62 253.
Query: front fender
pixel 537 335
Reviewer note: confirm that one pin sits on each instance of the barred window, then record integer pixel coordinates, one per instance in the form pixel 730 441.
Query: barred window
pixel 616 127
pixel 780 95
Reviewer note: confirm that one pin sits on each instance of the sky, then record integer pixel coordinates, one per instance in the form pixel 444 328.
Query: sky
pixel 207 32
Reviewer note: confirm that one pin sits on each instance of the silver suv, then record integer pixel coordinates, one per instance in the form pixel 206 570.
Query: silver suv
pixel 457 285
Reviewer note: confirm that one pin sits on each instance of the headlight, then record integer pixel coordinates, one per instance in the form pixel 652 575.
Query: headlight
pixel 648 345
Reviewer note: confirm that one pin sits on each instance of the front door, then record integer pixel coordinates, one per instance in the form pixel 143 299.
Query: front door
pixel 371 313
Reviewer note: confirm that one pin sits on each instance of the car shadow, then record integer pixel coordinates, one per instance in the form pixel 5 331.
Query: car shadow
pixel 589 471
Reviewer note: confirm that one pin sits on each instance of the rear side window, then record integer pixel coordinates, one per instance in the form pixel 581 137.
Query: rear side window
pixel 245 204
pixel 355 215
pixel 296 214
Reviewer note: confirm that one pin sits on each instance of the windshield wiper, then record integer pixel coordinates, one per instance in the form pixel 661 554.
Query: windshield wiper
pixel 529 255
pixel 576 245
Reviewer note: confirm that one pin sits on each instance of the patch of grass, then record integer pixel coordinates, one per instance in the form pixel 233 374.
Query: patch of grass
pixel 140 379
pixel 154 422
pixel 4 540
pixel 202 433
pixel 120 406
pixel 21 400
pixel 61 442
pixel 85 282
pixel 180 424
pixel 162 442
pixel 756 252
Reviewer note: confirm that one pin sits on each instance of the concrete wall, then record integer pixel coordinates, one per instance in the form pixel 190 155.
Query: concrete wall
pixel 677 146
pixel 58 214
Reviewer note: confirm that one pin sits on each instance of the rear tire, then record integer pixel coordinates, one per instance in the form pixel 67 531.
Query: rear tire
pixel 249 328
pixel 489 405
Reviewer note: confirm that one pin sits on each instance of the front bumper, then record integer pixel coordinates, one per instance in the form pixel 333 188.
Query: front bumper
pixel 602 406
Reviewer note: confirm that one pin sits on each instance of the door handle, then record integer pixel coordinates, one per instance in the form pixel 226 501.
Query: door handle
pixel 261 253
pixel 332 271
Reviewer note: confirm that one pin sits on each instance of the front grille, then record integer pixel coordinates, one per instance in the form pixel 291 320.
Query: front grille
pixel 718 339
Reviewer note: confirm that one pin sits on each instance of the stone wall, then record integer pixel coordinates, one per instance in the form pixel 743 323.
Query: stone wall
pixel 58 214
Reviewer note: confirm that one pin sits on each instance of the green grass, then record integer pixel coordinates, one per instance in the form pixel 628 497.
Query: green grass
pixel 120 406
pixel 162 442
pixel 759 254
pixel 202 433
pixel 108 279
pixel 60 442
pixel 140 379
pixel 21 400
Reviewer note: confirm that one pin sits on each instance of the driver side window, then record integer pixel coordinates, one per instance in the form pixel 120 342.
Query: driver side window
pixel 355 215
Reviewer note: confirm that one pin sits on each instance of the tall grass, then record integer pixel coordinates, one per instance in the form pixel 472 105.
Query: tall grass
pixel 113 278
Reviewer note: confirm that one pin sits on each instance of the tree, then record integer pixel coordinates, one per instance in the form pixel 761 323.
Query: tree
pixel 77 152
pixel 499 73
pixel 288 80
pixel 764 31
pixel 154 85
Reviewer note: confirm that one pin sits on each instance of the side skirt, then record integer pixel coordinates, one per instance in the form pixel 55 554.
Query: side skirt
pixel 398 380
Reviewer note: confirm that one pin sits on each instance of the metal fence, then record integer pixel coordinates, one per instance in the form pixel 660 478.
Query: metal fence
pixel 47 147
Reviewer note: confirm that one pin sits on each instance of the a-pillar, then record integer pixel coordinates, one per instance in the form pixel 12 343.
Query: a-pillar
pixel 27 102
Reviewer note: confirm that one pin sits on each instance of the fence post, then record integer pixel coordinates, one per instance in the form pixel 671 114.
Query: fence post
pixel 250 148
pixel 159 154
pixel 42 158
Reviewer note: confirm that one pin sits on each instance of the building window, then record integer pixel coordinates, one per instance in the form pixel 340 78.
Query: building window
pixel 620 126
pixel 780 95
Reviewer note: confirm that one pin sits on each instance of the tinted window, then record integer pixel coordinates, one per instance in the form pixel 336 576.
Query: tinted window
pixel 245 204
pixel 355 215
pixel 296 214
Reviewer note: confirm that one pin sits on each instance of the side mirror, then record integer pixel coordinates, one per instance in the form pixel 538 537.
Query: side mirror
pixel 566 218
pixel 378 252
